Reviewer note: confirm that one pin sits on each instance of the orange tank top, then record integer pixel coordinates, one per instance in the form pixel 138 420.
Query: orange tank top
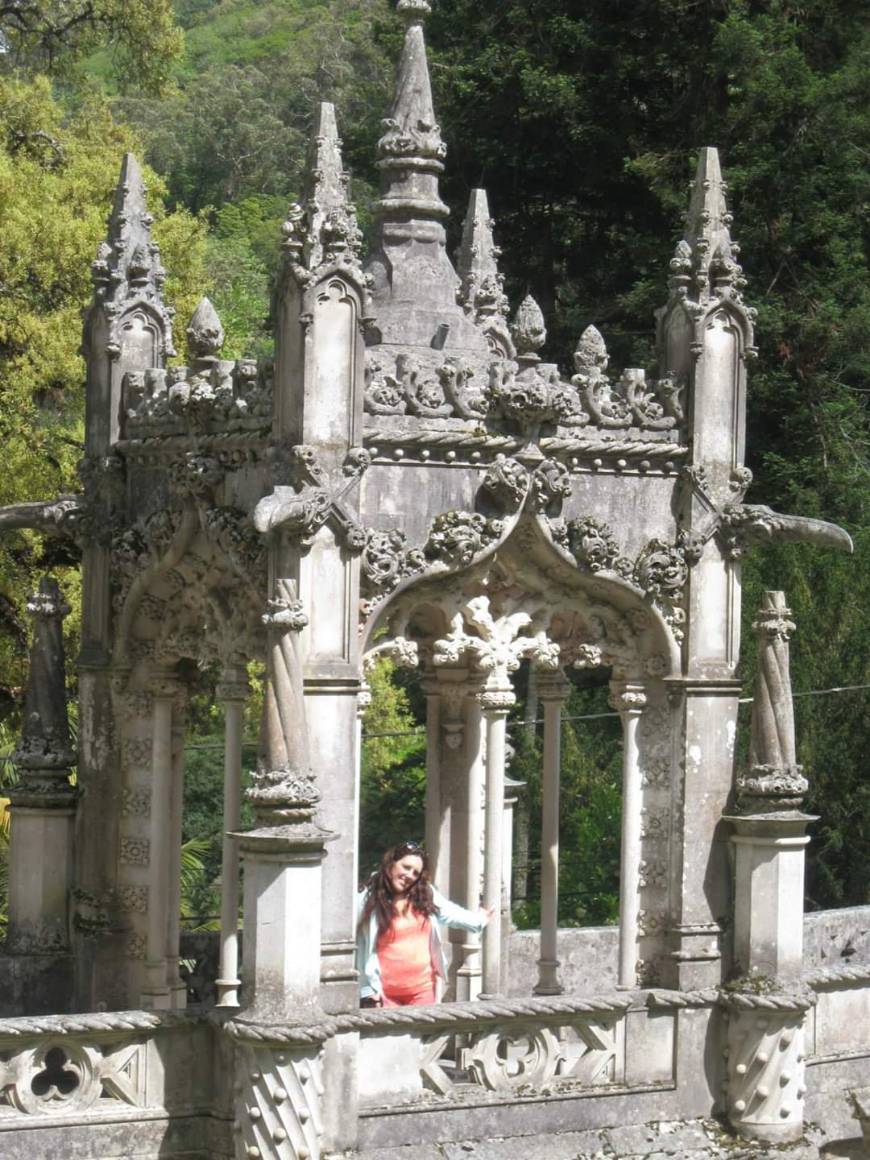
pixel 404 954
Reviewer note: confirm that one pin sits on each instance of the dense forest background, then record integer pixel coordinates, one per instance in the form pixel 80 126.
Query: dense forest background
pixel 583 122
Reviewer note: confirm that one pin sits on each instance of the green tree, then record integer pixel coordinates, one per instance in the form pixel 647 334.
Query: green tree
pixel 57 179
pixel 140 37
pixel 393 780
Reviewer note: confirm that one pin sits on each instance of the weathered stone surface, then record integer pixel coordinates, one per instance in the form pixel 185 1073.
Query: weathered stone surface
pixel 411 478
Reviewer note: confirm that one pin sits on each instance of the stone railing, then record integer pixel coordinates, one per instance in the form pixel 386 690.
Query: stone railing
pixel 77 1066
pixel 502 1046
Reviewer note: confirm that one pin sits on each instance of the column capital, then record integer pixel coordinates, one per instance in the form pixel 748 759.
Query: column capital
pixel 233 685
pixel 553 685
pixel 164 684
pixel 497 700
pixel 627 699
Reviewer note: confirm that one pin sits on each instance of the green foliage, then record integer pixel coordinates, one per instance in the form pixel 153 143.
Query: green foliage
pixel 242 260
pixel 58 173
pixel 393 777
pixel 590 810
pixel 829 597
pixel 140 38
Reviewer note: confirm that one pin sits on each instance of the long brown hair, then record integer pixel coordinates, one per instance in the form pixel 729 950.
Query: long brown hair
pixel 380 897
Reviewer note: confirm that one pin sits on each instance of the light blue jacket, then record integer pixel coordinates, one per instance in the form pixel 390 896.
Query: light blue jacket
pixel 447 914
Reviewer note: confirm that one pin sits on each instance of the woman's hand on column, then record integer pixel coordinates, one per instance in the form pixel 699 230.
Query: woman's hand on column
pixel 486 913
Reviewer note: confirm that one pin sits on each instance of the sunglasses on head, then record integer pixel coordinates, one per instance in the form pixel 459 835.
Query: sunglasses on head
pixel 408 848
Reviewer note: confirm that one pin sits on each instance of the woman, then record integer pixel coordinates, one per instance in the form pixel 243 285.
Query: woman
pixel 400 919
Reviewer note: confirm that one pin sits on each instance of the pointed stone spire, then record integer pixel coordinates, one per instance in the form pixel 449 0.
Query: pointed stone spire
pixel 411 131
pixel 410 158
pixel 324 228
pixel 481 291
pixel 128 269
pixel 415 287
pixel 704 265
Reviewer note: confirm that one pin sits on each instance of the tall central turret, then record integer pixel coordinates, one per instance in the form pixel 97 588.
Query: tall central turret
pixel 415 286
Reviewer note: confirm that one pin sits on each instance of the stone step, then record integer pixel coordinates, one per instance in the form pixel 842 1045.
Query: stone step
pixel 663 1140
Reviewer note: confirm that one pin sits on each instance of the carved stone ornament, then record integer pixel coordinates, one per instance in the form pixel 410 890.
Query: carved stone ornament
pixel 598 397
pixel 661 570
pixel 481 290
pixel 283 791
pixel 323 231
pixel 527 328
pixel 456 537
pixel 278 1104
pixel 551 484
pixel 128 276
pixel 507 481
pixel 44 754
pixel 766 1084
pixel 210 397
pixel 61 1076
pixel 594 547
pixel 743 525
pixel 298 513
pixel 205 332
pixel 496 648
pixel 386 560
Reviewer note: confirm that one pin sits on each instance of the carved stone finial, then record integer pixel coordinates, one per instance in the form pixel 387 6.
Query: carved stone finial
pixel 205 333
pixel 44 755
pixel 413 11
pixel 528 328
pixel 410 151
pixel 481 291
pixel 411 128
pixel 590 354
pixel 127 274
pixel 704 265
pixel 324 228
pixel 775 781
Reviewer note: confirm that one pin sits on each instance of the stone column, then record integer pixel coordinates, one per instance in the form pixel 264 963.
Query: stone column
pixel 156 993
pixel 462 773
pixel 496 700
pixel 362 703
pixel 553 690
pixel 232 692
pixel 280 1087
pixel 43 802
pixel 433 775
pixel 767 1003
pixel 629 701
pixel 177 985
pixel 512 789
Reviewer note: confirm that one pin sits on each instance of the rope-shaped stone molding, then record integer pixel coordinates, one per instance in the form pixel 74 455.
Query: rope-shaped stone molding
pixel 97 1023
pixel 829 976
pixel 798 1000
pixel 664 998
pixel 281 1033
pixel 615 447
pixel 437 1015
pixel 374 437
